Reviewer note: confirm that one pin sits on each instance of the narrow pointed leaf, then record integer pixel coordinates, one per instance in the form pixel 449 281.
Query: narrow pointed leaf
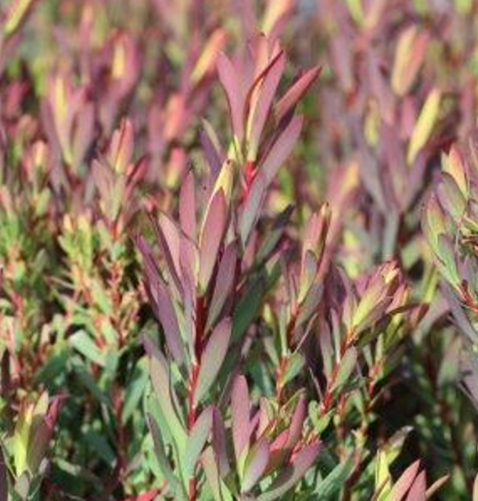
pixel 196 441
pixel 404 483
pixel 291 474
pixel 166 469
pixel 213 358
pixel 161 385
pixel 187 206
pixel 234 92
pixel 281 149
pixel 164 309
pixel 296 92
pixel 211 238
pixel 264 102
pixel 424 126
pixel 418 491
pixel 240 410
pixel 224 283
pixel 256 464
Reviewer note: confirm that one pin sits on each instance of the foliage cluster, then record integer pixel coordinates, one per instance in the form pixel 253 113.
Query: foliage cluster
pixel 238 250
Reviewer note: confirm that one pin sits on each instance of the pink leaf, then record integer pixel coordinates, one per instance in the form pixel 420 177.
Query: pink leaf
pixel 295 428
pixel 234 92
pixel 281 149
pixel 252 207
pixel 264 101
pixel 295 93
pixel 167 237
pixel 187 206
pixel 259 79
pixel 219 443
pixel 163 308
pixel 213 357
pixel 211 237
pixel 418 492
pixel 256 464
pixel 404 483
pixel 240 410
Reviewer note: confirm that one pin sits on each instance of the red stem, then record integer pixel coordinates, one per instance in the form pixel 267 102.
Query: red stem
pixel 250 168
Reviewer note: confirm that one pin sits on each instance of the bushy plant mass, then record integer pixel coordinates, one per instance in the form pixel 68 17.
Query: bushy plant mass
pixel 238 250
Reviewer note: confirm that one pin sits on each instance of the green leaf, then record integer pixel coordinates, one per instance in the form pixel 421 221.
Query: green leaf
pixel 347 365
pixel 447 255
pixel 218 488
pixel 451 197
pixel 247 309
pixel 166 469
pixel 16 15
pixel 89 382
pixel 83 343
pixel 294 365
pixel 196 441
pixel 162 387
pixel 334 481
pixel 100 445
pixel 135 390
pixel 211 470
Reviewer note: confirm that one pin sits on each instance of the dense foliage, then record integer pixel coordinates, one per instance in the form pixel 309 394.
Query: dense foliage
pixel 238 250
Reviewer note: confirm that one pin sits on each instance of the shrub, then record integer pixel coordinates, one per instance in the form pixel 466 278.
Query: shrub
pixel 214 284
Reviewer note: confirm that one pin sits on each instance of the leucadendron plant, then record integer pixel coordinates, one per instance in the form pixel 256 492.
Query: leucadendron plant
pixel 207 289
pixel 228 295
